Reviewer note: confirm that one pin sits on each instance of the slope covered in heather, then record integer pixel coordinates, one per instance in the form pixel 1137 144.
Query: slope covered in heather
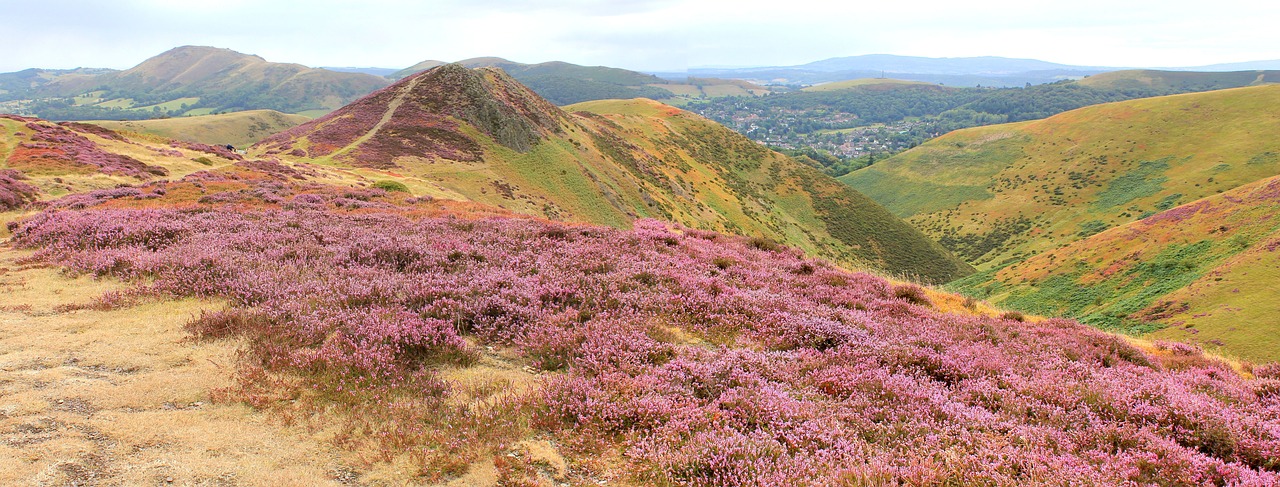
pixel 446 342
pixel 479 135
pixel 434 340
pixel 1000 194
pixel 563 83
pixel 1203 272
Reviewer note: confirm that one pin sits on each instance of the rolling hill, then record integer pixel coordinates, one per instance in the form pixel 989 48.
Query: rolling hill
pixel 859 83
pixel 564 83
pixel 1203 272
pixel 196 80
pixel 240 129
pixel 1180 81
pixel 1000 194
pixel 479 135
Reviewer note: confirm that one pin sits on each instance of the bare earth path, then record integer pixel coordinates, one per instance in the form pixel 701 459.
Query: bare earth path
pixel 121 397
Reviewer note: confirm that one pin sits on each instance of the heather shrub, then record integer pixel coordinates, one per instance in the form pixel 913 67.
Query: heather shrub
pixel 1013 315
pixel 14 193
pixel 911 293
pixel 659 361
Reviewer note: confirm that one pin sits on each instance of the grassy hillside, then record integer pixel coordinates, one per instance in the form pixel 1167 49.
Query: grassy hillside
pixel 240 129
pixel 1179 80
pixel 1000 194
pixel 481 136
pixel 1204 272
pixel 70 157
pixel 193 80
pixel 855 83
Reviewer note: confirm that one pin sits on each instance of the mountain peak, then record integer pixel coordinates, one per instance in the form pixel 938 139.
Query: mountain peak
pixel 423 116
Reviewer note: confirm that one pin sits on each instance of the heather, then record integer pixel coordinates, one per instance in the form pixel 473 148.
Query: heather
pixel 14 193
pixel 692 358
pixel 57 148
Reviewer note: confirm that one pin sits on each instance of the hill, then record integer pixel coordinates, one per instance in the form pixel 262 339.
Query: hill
pixel 310 328
pixel 240 129
pixel 860 82
pixel 195 80
pixel 479 135
pixel 1198 273
pixel 981 65
pixel 999 194
pixel 967 71
pixel 337 334
pixel 1181 81
pixel 565 83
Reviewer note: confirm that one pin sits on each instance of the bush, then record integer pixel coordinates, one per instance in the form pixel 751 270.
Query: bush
pixel 391 186
pixel 912 294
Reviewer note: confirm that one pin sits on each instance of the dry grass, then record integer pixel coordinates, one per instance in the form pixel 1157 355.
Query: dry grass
pixel 121 397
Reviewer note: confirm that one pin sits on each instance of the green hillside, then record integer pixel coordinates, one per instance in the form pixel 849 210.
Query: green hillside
pixel 1205 272
pixel 860 82
pixel 240 129
pixel 999 194
pixel 479 135
pixel 196 80
pixel 1182 81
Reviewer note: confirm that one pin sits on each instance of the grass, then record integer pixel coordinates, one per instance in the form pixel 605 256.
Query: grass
pixel 1197 273
pixel 614 161
pixel 1111 163
pixel 122 396
pixel 240 129
pixel 856 83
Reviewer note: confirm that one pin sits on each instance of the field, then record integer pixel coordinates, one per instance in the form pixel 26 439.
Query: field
pixel 854 83
pixel 240 129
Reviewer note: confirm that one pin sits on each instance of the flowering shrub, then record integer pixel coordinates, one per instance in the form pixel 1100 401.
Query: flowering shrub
pixel 13 191
pixel 58 147
pixel 701 359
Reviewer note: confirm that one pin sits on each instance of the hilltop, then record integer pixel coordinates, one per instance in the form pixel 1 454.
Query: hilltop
pixel 564 83
pixel 479 135
pixel 195 80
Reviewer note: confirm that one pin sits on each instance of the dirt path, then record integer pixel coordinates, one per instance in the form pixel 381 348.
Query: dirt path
pixel 122 397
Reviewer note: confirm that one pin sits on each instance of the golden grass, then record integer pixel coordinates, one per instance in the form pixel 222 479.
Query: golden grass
pixel 122 396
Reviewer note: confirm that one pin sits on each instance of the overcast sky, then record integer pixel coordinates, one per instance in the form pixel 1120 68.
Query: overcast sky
pixel 640 34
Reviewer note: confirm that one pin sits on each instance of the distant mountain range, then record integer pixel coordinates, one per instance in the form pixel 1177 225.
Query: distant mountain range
pixel 963 71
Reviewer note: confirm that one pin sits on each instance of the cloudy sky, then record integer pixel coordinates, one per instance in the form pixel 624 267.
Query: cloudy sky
pixel 640 34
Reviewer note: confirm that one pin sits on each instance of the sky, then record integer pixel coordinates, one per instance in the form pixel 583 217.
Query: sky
pixel 648 35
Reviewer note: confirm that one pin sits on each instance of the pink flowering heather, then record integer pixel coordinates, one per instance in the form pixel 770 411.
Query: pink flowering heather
pixel 56 145
pixel 695 358
pixel 14 193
